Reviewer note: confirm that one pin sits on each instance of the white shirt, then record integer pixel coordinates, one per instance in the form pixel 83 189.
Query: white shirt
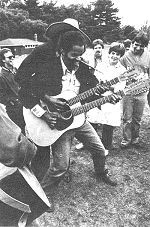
pixel 69 80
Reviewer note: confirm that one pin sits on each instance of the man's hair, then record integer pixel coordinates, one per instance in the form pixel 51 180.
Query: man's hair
pixel 69 39
pixel 2 52
pixel 142 39
pixel 117 47
pixel 97 42
pixel 127 43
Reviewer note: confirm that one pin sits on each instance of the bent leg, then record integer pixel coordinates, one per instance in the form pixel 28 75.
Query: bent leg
pixel 89 137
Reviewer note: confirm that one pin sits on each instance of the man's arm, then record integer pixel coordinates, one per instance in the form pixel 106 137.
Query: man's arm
pixel 15 149
pixel 31 69
pixel 24 77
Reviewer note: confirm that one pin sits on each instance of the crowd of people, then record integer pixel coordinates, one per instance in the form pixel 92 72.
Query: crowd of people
pixel 58 93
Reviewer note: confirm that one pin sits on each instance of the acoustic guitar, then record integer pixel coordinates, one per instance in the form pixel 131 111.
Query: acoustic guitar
pixel 72 117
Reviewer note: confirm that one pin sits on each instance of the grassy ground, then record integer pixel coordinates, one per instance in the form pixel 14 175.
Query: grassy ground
pixel 85 203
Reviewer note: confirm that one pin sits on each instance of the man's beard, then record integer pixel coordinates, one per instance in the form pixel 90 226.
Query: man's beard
pixel 73 65
pixel 139 52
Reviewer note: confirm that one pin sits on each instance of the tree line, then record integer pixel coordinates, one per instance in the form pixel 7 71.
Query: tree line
pixel 22 19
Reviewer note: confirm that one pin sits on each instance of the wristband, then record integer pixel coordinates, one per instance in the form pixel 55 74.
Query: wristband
pixel 38 111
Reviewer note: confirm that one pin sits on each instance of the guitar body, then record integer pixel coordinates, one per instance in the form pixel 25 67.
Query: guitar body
pixel 39 131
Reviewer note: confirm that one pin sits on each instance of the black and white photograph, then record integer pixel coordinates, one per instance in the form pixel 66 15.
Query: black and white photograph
pixel 74 113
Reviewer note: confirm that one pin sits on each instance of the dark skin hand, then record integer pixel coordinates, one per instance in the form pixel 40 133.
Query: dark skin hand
pixel 51 117
pixel 115 98
pixel 101 88
pixel 58 104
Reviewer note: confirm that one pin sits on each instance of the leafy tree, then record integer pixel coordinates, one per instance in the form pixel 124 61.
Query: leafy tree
pixel 28 28
pixel 98 20
pixel 10 20
pixel 129 32
pixel 50 13
pixel 4 28
pixel 104 22
pixel 146 29
pixel 80 13
pixel 17 4
pixel 32 6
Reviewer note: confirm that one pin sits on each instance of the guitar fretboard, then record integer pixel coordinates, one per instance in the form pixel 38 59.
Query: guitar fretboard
pixel 135 89
pixel 86 107
pixel 91 91
pixel 126 75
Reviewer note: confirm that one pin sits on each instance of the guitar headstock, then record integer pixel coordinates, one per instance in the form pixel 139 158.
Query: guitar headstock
pixel 137 87
pixel 132 72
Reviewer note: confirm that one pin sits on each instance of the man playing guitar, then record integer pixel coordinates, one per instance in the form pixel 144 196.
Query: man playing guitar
pixel 45 73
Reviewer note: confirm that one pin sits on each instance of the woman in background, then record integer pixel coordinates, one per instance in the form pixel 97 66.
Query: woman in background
pixel 110 114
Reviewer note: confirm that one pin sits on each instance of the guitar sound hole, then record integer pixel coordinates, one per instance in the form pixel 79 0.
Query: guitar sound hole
pixel 65 119
pixel 66 115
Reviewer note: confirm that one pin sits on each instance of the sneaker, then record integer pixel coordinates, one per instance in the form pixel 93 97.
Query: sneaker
pixel 79 146
pixel 124 144
pixel 105 178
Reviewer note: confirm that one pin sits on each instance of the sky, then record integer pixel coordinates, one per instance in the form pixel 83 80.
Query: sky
pixel 132 12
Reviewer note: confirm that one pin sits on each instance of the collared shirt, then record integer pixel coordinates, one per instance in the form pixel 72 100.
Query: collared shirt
pixel 69 80
pixel 98 62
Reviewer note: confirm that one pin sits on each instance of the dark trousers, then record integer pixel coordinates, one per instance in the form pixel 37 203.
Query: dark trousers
pixel 107 136
pixel 41 162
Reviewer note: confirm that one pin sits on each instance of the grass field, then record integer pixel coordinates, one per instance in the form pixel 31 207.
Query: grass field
pixel 85 203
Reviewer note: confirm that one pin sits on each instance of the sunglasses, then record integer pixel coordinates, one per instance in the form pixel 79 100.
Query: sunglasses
pixel 10 57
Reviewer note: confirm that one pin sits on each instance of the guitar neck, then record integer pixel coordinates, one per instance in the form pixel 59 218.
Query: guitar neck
pixel 133 89
pixel 88 106
pixel 91 91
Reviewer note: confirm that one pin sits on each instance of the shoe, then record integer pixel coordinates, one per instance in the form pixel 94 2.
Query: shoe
pixel 79 146
pixel 124 144
pixel 105 178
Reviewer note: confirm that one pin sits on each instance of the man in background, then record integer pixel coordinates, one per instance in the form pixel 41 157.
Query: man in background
pixel 9 88
pixel 133 105
pixel 127 44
